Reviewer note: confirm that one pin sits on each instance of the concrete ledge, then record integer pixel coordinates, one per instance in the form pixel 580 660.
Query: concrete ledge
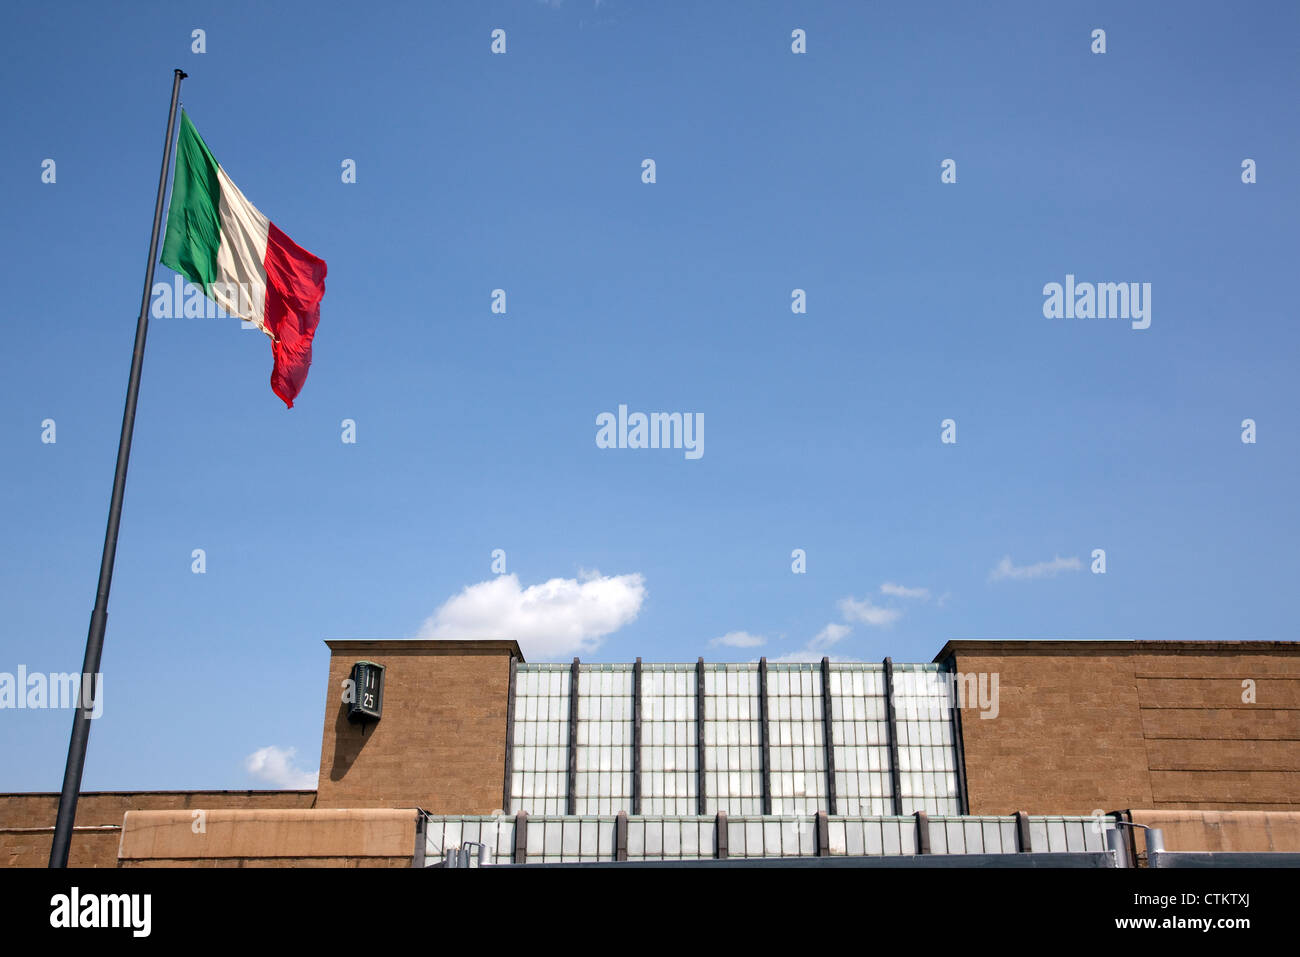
pixel 249 862
pixel 223 834
pixel 1239 831
pixel 1087 646
pixel 426 646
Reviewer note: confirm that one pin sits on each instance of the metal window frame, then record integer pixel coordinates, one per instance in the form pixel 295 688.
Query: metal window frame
pixel 421 838
pixel 620 833
pixel 636 737
pixel 701 798
pixel 520 855
pixel 765 757
pixel 1024 837
pixel 827 741
pixel 959 751
pixel 571 785
pixel 922 832
pixel 510 735
pixel 895 779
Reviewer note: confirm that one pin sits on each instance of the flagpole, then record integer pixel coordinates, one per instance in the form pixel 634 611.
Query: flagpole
pixel 99 617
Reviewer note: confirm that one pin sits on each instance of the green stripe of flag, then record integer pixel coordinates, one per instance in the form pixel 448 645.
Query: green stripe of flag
pixel 193 221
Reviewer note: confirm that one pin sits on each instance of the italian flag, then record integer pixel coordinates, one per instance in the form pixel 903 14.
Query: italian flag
pixel 220 241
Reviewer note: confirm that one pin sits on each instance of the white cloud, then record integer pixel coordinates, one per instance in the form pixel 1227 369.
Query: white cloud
pixel 828 636
pixel 901 591
pixel 807 654
pixel 739 639
pixel 868 614
pixel 852 610
pixel 815 650
pixel 560 617
pixel 1004 569
pixel 276 766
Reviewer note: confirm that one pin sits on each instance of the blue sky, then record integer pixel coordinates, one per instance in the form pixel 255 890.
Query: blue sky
pixel 476 431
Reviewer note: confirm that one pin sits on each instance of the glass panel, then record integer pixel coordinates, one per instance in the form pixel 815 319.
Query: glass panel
pixel 603 781
pixel 735 838
pixel 690 840
pixel 938 837
pixel 668 738
pixel 837 832
pixel 772 838
pixel 891 839
pixel 540 755
pixel 974 837
pixel 1055 835
pixel 733 762
pixel 860 739
pixel 907 837
pixel 1038 835
pixel 635 840
pixel 956 835
pixel 1010 842
pixel 1074 840
pixel 992 837
pixel 872 840
pixel 797 753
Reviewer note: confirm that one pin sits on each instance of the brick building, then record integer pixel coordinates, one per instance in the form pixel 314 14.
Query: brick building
pixel 994 748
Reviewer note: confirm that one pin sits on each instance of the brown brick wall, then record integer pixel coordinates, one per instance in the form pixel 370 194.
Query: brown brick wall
pixel 97 848
pixel 440 744
pixel 1112 725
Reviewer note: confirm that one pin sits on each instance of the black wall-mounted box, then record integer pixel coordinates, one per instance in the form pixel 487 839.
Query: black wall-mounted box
pixel 367 702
